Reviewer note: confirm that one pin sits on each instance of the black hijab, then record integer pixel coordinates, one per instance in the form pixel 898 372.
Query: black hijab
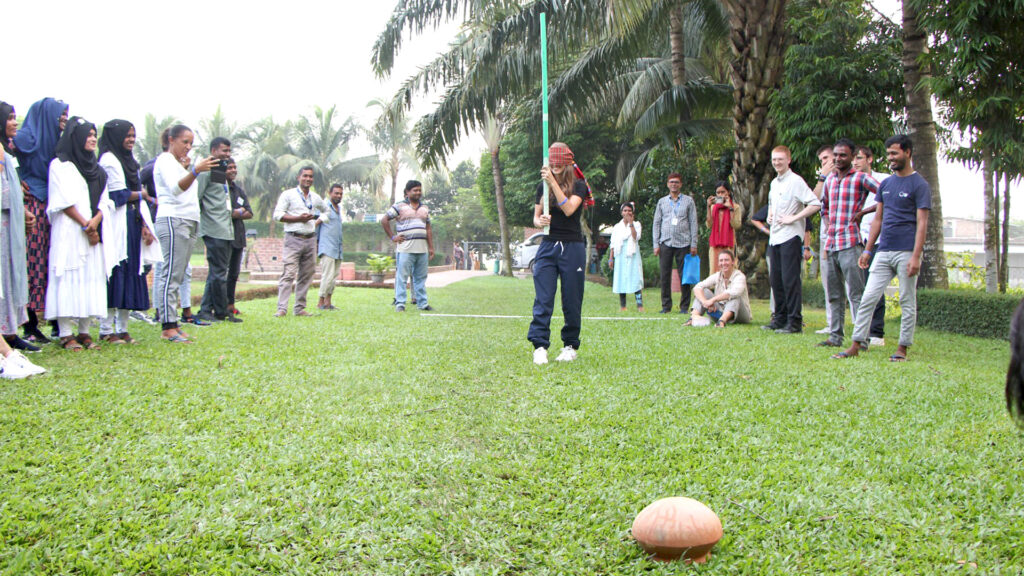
pixel 71 148
pixel 5 112
pixel 114 133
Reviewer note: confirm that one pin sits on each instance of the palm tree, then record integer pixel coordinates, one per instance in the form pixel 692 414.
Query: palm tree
pixel 390 136
pixel 493 131
pixel 317 142
pixel 214 126
pixel 148 146
pixel 922 130
pixel 265 161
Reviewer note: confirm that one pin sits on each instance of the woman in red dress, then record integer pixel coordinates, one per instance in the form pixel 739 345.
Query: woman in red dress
pixel 724 218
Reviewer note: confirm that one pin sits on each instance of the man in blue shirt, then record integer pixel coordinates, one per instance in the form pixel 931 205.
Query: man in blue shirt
pixel 329 246
pixel 900 226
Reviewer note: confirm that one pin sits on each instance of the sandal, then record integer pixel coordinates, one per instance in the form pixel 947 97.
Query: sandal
pixel 113 339
pixel 86 341
pixel 177 339
pixel 71 343
pixel 897 357
pixel 127 338
pixel 841 355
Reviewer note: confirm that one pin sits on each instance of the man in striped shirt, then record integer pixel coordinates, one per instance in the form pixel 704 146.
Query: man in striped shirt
pixel 415 244
pixel 842 199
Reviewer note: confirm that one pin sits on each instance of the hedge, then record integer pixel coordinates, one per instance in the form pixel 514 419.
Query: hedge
pixel 961 311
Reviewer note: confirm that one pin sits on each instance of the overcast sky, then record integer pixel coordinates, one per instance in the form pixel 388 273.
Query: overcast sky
pixel 121 59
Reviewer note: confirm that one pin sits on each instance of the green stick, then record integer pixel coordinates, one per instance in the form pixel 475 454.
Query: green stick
pixel 544 100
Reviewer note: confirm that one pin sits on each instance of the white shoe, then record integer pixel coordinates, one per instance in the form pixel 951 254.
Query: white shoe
pixel 568 354
pixel 873 341
pixel 11 370
pixel 19 359
pixel 824 330
pixel 540 356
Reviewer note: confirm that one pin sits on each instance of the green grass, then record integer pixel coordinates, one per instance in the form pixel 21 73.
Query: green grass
pixel 369 442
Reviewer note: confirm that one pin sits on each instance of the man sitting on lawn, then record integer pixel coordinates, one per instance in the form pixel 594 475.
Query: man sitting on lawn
pixel 723 295
pixel 901 222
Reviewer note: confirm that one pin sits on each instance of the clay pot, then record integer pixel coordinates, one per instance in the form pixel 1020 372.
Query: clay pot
pixel 677 527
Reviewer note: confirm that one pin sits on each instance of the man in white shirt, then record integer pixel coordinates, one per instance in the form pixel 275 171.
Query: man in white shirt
pixel 862 162
pixel 790 200
pixel 298 208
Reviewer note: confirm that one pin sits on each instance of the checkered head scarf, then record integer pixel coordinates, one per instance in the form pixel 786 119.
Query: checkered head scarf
pixel 560 155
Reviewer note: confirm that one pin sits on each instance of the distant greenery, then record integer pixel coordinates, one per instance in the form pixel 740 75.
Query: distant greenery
pixel 369 442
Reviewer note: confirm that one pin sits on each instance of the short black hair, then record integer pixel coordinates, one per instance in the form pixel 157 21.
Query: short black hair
pixel 845 142
pixel 307 167
pixel 219 141
pixel 412 184
pixel 629 204
pixel 904 141
pixel 335 185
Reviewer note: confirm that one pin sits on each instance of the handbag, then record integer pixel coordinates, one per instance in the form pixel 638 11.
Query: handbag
pixel 691 270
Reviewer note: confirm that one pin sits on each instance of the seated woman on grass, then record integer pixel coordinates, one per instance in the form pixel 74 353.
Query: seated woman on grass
pixel 723 295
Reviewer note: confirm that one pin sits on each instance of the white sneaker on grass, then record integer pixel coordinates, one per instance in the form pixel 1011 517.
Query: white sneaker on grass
pixel 568 354
pixel 875 341
pixel 15 367
pixel 824 330
pixel 540 356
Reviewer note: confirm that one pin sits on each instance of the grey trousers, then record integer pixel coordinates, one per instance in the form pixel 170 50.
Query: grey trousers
pixel 329 268
pixel 883 268
pixel 845 278
pixel 177 237
pixel 299 256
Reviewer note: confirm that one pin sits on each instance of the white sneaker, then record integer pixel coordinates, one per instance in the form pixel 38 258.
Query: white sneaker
pixel 540 356
pixel 824 330
pixel 23 363
pixel 11 370
pixel 873 341
pixel 568 354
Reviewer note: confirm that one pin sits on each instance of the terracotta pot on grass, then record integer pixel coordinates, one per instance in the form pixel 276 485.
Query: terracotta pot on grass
pixel 673 528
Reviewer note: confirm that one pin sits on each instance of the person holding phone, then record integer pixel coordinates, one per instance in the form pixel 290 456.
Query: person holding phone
pixel 217 232
pixel 298 208
pixel 177 222
pixel 724 217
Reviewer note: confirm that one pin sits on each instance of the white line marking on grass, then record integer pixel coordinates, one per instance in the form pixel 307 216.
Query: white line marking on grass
pixel 531 317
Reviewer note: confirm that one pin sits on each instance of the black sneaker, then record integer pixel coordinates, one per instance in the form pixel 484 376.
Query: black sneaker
pixel 18 344
pixel 664 311
pixel 789 330
pixel 427 308
pixel 230 318
pixel 34 336
pixel 830 343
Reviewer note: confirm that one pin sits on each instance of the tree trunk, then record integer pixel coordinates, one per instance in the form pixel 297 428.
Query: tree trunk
pixel 677 44
pixel 991 224
pixel 499 198
pixel 394 177
pixel 758 40
pixel 922 131
pixel 1004 249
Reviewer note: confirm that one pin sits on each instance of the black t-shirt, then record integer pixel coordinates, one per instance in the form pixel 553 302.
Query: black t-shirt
pixel 239 199
pixel 565 228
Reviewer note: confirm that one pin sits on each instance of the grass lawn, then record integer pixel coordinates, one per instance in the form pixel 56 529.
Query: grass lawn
pixel 369 442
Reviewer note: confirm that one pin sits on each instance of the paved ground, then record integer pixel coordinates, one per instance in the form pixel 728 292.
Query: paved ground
pixel 440 279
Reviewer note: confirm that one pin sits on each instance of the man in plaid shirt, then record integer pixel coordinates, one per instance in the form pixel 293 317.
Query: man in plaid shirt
pixel 843 197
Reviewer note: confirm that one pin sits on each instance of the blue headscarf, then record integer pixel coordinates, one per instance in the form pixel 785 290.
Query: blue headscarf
pixel 36 144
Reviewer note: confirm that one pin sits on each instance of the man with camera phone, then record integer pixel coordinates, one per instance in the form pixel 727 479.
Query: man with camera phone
pixel 217 233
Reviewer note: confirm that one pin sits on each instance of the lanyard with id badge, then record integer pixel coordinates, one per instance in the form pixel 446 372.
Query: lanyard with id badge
pixel 675 210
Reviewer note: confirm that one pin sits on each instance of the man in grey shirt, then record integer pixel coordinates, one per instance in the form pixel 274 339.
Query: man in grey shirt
pixel 675 235
pixel 217 233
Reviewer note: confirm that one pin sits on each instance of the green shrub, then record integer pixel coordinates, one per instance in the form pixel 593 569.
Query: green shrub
pixel 958 310
pixel 968 312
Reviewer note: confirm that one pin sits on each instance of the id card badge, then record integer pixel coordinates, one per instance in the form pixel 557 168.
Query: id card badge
pixel 675 221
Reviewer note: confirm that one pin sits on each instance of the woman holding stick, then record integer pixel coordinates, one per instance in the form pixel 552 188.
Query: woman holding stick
pixel 562 256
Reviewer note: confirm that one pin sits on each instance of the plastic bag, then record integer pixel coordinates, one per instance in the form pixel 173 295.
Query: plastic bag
pixel 691 270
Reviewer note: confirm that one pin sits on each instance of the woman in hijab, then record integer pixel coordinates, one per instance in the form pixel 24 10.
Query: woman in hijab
pixel 10 127
pixel 625 260
pixel 13 227
pixel 35 145
pixel 126 287
pixel 562 255
pixel 77 285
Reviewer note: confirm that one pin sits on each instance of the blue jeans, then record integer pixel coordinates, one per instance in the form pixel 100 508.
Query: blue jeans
pixel 554 262
pixel 414 264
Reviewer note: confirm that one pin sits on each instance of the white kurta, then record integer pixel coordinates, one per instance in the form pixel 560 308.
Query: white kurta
pixel 77 278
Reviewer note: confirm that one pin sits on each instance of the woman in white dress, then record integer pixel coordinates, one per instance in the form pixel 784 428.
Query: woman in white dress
pixel 625 259
pixel 77 281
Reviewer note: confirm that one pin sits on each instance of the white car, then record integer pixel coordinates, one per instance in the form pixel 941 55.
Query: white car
pixel 527 251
